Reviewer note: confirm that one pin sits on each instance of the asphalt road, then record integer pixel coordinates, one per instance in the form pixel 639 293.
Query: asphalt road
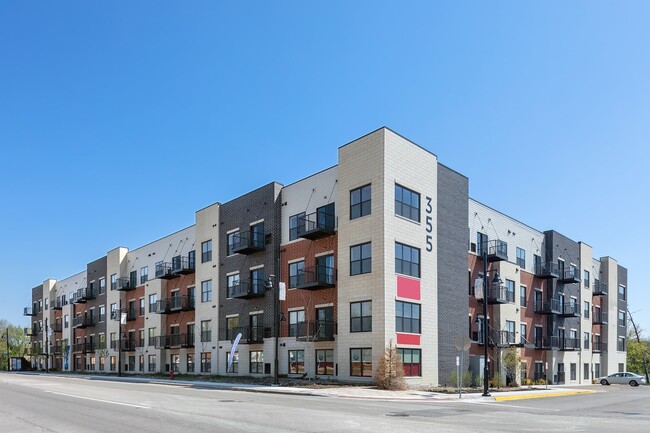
pixel 30 403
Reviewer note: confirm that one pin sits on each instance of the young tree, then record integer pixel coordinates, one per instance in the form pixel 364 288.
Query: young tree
pixel 511 362
pixel 390 371
pixel 637 351
pixel 17 344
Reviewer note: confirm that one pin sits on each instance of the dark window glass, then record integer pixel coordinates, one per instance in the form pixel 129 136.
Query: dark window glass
pixel 361 259
pixel 360 202
pixel 361 316
pixel 407 317
pixel 407 260
pixel 407 203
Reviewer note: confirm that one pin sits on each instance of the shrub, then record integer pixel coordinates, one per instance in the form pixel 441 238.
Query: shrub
pixel 390 371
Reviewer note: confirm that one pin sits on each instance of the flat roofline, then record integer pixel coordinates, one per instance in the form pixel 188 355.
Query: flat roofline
pixel 507 216
pixel 311 175
pixel 396 133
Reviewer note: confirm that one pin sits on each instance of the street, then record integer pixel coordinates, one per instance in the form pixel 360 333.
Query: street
pixel 40 403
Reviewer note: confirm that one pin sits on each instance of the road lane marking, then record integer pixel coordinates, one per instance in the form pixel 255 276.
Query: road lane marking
pixel 517 407
pixel 99 400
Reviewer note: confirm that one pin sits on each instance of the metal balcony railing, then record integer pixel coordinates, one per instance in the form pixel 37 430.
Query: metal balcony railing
pixel 316 330
pixel 247 289
pixel 164 271
pixel 599 317
pixel 182 265
pixel 27 311
pixel 547 270
pixel 497 250
pixel 316 225
pixel 246 242
pixel 548 306
pixel 314 278
pixel 600 288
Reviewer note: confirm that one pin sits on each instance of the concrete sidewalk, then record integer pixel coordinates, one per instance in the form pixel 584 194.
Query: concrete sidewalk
pixel 357 392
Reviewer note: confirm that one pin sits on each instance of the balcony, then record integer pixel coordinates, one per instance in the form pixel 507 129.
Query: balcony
pixel 175 304
pixel 547 270
pixel 599 347
pixel 570 276
pixel 83 348
pixel 174 341
pixel 570 309
pixel 27 311
pixel 83 321
pixel 497 250
pixel 56 327
pixel 600 288
pixel 84 295
pixel 247 243
pixel 315 225
pixel 57 350
pixel 164 271
pixel 33 331
pixel 124 284
pixel 249 334
pixel 126 345
pixel 246 289
pixel 131 314
pixel 599 318
pixel 549 306
pixel 498 294
pixel 183 265
pixel 565 344
pixel 315 278
pixel 56 305
pixel 318 330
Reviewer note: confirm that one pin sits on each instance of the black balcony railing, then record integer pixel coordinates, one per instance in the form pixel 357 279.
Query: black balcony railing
pixel 317 330
pixel 174 341
pixel 599 347
pixel 57 350
pixel 498 294
pixel 570 276
pixel 570 309
pixel 247 242
pixel 56 304
pixel 131 314
pixel 164 271
pixel 250 334
pixel 28 311
pixel 315 277
pixel 600 288
pixel 499 339
pixel 316 225
pixel 183 265
pixel 548 306
pixel 599 317
pixel 83 347
pixel 125 284
pixel 56 327
pixel 497 250
pixel 181 303
pixel 84 295
pixel 32 331
pixel 547 270
pixel 247 289
pixel 83 321
pixel 125 345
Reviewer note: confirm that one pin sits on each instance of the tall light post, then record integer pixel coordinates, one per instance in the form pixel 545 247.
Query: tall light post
pixel 8 359
pixel 276 324
pixel 486 290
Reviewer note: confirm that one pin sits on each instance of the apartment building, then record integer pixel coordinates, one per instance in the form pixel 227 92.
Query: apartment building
pixel 384 248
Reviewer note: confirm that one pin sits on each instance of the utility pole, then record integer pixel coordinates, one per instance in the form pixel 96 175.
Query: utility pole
pixel 47 347
pixel 119 340
pixel 8 359
pixel 638 339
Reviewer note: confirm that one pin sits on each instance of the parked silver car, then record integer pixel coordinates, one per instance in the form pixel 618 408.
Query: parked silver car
pixel 623 378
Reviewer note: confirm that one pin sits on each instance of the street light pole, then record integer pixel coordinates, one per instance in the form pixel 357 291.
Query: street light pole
pixel 486 368
pixel 119 341
pixel 276 322
pixel 8 360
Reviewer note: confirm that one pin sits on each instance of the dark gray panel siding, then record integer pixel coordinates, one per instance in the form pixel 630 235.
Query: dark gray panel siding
pixel 452 267
pixel 96 270
pixel 622 302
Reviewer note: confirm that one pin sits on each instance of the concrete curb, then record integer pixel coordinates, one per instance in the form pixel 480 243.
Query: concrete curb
pixel 541 395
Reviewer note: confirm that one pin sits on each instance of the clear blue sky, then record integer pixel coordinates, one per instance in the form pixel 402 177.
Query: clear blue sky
pixel 118 120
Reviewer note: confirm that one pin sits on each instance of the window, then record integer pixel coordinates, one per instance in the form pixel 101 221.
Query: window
pixel 521 258
pixel 296 225
pixel 586 279
pixel 102 286
pixel 112 359
pixel 585 369
pixel 407 203
pixel 152 363
pixel 142 308
pixel 232 323
pixel 256 362
pixel 190 333
pixel 621 319
pixel 133 278
pixel 206 330
pixel 234 365
pixel 325 362
pixel 523 370
pixel 296 362
pixel 522 296
pixel 572 368
pixel 510 332
pixel 141 363
pixel 234 237
pixel 152 302
pixel 152 337
pixel 361 362
pixel 360 259
pixel 101 341
pixel 621 291
pixel 232 282
pixel 141 338
pixel 481 243
pixel 175 362
pixel 585 311
pixel 190 362
pixel 206 291
pixel 621 367
pixel 206 362
pixel 257 281
pixel 144 274
pixel 537 264
pixel 361 316
pixel 206 251
pixel 113 281
pixel 360 202
pixel 510 290
pixel 407 317
pixel 585 340
pixel 412 361
pixel 523 332
pixel 66 321
pixel 296 318
pixel 407 260
pixel 102 362
pixel 257 235
pixel 296 273
pixel 102 313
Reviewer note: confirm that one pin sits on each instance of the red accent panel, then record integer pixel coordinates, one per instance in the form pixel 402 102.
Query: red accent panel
pixel 408 339
pixel 408 288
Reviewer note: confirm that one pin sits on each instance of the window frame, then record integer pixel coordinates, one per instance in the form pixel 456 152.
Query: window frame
pixel 364 352
pixel 362 261
pixel 408 367
pixel 360 318
pixel 358 206
pixel 404 209
pixel 407 266
pixel 414 323
pixel 206 251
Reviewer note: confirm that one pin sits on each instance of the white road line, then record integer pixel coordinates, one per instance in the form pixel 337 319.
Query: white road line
pixel 498 404
pixel 99 400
